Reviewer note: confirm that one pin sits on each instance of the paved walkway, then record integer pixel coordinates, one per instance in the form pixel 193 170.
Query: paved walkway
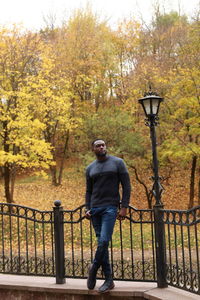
pixel 78 287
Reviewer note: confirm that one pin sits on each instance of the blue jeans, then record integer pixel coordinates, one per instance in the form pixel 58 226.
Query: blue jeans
pixel 103 221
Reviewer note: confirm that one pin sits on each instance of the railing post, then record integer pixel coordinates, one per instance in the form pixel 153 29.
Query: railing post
pixel 160 246
pixel 59 242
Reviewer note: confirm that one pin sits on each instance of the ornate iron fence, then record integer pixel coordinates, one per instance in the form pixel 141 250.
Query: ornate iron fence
pixel 182 234
pixel 132 249
pixel 26 241
pixel 62 243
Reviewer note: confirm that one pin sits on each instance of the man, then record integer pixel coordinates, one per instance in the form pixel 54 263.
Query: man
pixel 103 177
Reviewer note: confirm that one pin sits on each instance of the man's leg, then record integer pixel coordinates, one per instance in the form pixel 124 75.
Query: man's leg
pixel 96 222
pixel 103 220
pixel 108 221
pixel 106 268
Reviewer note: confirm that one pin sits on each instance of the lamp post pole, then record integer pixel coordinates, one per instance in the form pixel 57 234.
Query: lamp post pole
pixel 151 105
pixel 158 215
pixel 157 188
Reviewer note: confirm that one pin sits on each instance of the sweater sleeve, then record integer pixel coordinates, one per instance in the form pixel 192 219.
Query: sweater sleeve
pixel 125 182
pixel 88 190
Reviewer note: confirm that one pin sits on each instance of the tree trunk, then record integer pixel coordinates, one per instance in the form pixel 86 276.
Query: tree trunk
pixel 53 170
pixel 12 182
pixel 199 188
pixel 6 168
pixel 63 158
pixel 192 181
pixel 148 193
pixel 7 184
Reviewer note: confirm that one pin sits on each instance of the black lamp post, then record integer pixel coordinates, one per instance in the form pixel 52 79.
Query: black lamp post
pixel 151 103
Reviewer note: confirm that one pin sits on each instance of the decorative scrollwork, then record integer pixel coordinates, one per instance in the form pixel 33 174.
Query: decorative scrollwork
pixel 182 217
pixel 187 279
pixel 141 270
pixel 74 216
pixel 30 266
pixel 27 213
pixel 140 216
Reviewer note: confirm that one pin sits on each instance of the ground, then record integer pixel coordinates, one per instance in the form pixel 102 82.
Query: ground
pixel 40 193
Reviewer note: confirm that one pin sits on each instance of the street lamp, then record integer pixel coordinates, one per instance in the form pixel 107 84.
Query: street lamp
pixel 151 103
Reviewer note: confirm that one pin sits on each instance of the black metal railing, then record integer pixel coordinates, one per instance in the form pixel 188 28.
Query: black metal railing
pixel 182 234
pixel 132 248
pixel 26 241
pixel 62 243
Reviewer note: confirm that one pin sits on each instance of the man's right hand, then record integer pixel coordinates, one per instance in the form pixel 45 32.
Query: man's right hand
pixel 87 214
pixel 122 213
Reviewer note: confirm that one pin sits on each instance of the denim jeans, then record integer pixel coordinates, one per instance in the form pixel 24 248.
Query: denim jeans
pixel 103 221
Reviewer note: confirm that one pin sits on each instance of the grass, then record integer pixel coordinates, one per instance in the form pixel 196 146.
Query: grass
pixel 32 179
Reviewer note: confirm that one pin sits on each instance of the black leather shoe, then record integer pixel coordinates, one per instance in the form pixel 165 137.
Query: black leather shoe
pixel 91 281
pixel 106 286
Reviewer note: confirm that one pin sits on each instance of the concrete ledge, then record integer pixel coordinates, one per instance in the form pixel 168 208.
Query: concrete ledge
pixel 32 287
pixel 170 293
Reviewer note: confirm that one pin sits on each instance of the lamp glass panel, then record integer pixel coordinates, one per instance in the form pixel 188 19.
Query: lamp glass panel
pixel 147 107
pixel 155 106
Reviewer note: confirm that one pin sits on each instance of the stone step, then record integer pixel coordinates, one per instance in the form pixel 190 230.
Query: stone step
pixel 20 287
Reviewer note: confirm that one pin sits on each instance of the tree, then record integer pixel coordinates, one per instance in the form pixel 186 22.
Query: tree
pixel 49 96
pixel 87 59
pixel 20 139
pixel 184 106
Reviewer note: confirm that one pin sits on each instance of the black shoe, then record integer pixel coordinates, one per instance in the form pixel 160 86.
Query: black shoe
pixel 106 286
pixel 91 281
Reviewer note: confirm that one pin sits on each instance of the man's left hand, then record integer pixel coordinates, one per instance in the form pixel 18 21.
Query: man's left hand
pixel 122 213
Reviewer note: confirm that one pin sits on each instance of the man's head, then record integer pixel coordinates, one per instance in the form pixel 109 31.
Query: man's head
pixel 99 148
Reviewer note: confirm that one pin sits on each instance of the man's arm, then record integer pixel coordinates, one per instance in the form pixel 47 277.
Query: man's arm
pixel 88 193
pixel 126 189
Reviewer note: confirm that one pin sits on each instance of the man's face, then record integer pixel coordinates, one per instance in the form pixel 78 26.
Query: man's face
pixel 99 148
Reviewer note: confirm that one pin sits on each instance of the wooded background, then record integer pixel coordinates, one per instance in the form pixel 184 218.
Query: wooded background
pixel 64 86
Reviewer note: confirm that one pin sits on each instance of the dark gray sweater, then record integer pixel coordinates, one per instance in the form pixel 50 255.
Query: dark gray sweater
pixel 102 183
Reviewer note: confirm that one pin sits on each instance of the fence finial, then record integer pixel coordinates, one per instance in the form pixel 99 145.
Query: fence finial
pixel 57 203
